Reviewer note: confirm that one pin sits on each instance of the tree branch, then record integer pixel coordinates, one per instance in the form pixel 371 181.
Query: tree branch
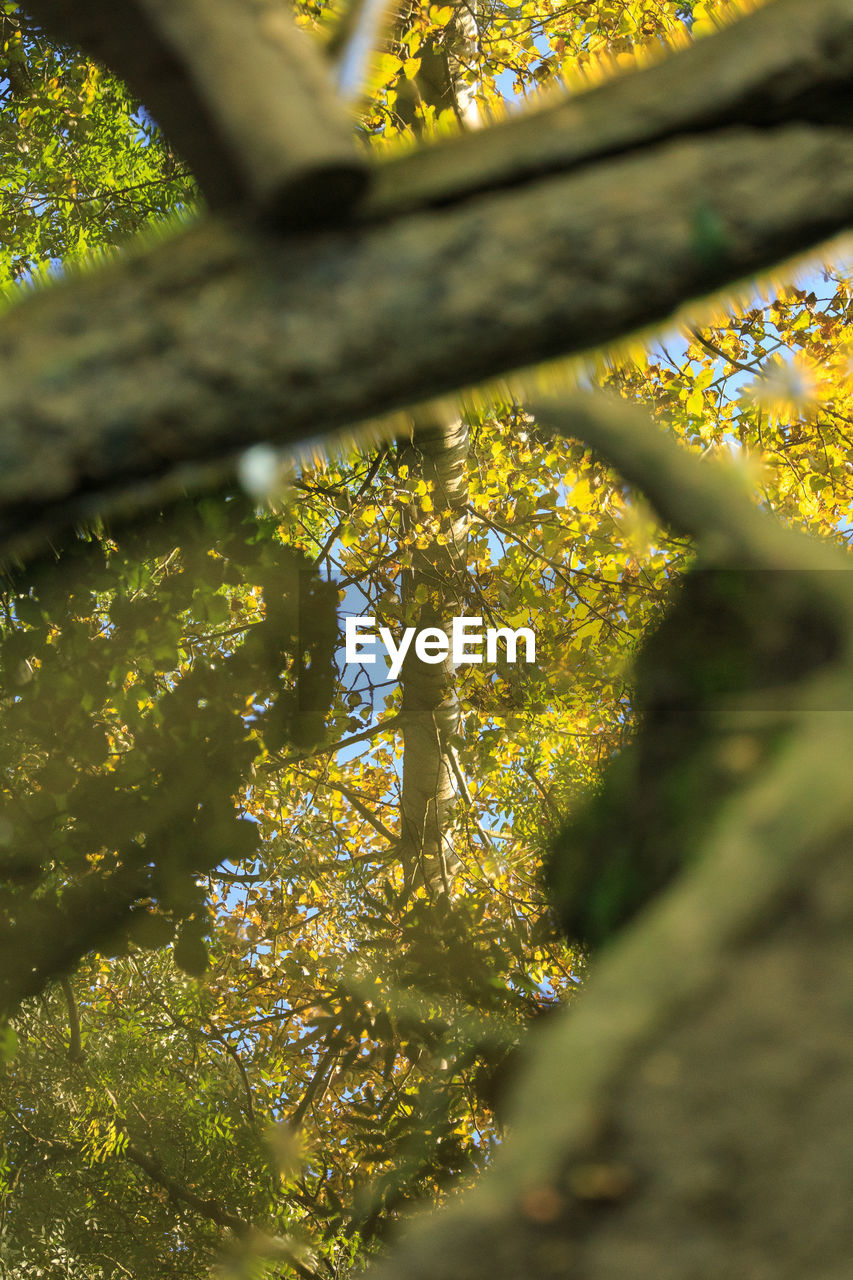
pixel 711 965
pixel 698 975
pixel 319 1082
pixel 790 61
pixel 138 378
pixel 704 499
pixel 372 731
pixel 244 1075
pixel 75 1048
pixel 299 1257
pixel 363 809
pixel 258 1242
pixel 240 91
pixel 220 338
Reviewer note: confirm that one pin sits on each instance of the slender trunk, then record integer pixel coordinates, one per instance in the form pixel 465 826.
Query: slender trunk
pixel 443 81
pixel 432 586
pixel 432 590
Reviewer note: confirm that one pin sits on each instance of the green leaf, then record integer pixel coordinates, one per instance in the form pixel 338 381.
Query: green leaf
pixel 8 1043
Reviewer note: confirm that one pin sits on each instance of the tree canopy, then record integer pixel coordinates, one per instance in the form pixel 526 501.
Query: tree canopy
pixel 272 928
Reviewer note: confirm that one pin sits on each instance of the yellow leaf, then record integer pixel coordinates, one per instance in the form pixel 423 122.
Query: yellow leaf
pixel 387 67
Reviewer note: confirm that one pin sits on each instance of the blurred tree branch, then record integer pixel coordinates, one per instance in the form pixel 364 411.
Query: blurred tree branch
pixel 702 998
pixel 238 89
pixel 137 374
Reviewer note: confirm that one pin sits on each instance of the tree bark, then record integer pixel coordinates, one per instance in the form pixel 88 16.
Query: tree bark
pixel 431 715
pixel 438 456
pixel 179 356
pixel 692 1116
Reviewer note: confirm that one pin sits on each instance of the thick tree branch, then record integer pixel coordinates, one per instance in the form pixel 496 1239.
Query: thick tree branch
pixel 704 499
pixel 580 1174
pixel 722 967
pixel 207 1206
pixel 790 61
pixel 240 91
pixel 191 350
pixel 220 338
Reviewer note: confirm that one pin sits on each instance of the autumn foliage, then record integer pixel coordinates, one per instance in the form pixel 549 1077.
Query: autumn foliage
pixel 244 1018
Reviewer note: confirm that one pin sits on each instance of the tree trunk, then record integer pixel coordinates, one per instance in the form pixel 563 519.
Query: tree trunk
pixel 432 587
pixel 432 590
